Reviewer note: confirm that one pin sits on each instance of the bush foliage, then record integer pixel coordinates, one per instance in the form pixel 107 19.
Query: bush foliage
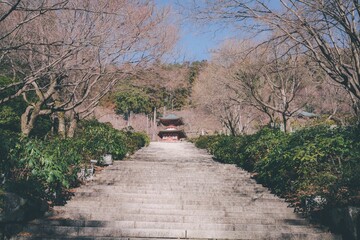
pixel 43 169
pixel 314 168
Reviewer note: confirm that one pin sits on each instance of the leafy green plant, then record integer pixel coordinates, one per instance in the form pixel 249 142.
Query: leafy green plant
pixel 132 100
pixel 314 168
pixel 96 139
pixel 136 140
pixel 225 149
pixel 44 168
pixel 204 142
pixel 245 150
pixel 8 141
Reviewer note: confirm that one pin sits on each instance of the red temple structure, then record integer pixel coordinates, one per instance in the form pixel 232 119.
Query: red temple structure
pixel 170 130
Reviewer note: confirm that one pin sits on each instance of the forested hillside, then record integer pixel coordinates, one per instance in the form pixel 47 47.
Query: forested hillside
pixel 164 88
pixel 236 92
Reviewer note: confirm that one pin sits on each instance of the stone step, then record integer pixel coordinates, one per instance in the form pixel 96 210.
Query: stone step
pixel 172 209
pixel 254 219
pixel 244 201
pixel 156 179
pixel 185 197
pixel 176 171
pixel 172 204
pixel 171 180
pixel 231 211
pixel 161 192
pixel 181 188
pixel 167 233
pixel 176 165
pixel 249 186
pixel 210 167
pixel 164 216
pixel 178 185
pixel 143 179
pixel 173 225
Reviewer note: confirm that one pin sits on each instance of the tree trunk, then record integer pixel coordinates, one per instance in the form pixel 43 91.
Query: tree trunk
pixel 129 119
pixel 284 122
pixel 147 124
pixel 74 118
pixel 60 115
pixel 62 124
pixel 154 126
pixel 28 118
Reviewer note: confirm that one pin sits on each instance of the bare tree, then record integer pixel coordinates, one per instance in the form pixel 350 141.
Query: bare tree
pixel 331 101
pixel 274 83
pixel 215 90
pixel 327 31
pixel 73 56
pixel 17 14
pixel 267 80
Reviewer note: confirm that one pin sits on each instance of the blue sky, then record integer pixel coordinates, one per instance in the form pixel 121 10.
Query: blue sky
pixel 196 42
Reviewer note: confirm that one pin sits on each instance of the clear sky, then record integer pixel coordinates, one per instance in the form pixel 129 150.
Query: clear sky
pixel 195 42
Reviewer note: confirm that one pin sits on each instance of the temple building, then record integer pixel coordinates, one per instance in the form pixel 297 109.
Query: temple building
pixel 170 128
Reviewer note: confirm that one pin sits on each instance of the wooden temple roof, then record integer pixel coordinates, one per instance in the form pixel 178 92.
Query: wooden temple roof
pixel 171 119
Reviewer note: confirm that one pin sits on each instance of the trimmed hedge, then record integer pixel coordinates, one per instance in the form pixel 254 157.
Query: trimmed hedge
pixel 314 168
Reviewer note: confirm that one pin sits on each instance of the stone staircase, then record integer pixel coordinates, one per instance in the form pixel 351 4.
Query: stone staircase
pixel 172 191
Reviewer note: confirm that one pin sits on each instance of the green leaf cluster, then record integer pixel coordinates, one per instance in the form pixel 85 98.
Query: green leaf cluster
pixel 133 100
pixel 45 169
pixel 313 163
pixel 96 139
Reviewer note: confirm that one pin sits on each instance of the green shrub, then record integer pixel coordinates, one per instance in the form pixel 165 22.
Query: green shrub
pixel 44 168
pixel 96 139
pixel 225 149
pixel 315 168
pixel 42 127
pixel 136 140
pixel 316 162
pixel 245 150
pixel 255 147
pixel 8 141
pixel 204 142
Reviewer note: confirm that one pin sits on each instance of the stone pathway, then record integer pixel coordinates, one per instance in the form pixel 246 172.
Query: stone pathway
pixel 172 191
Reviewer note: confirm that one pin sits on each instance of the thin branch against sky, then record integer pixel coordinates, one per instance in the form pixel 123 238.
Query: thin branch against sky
pixel 198 40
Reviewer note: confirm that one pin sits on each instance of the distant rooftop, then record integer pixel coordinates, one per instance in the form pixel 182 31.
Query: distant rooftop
pixel 307 114
pixel 170 117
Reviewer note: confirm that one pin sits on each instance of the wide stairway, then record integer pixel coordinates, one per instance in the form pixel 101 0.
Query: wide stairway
pixel 172 191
